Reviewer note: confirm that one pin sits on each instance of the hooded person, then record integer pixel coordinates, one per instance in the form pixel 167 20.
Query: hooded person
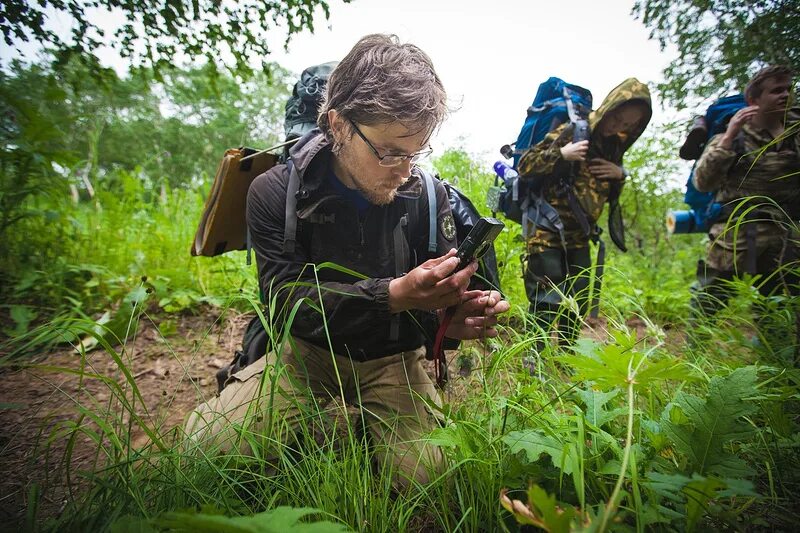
pixel 577 178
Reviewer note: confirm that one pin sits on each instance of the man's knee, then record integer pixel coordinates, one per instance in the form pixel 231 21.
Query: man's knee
pixel 416 463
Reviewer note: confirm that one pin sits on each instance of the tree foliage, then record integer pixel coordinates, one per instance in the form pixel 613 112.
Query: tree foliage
pixel 63 130
pixel 720 42
pixel 156 35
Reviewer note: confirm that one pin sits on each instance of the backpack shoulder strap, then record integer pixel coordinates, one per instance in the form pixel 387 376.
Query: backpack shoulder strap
pixel 433 206
pixel 290 219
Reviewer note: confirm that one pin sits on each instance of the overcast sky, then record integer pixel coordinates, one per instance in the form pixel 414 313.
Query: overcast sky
pixel 491 56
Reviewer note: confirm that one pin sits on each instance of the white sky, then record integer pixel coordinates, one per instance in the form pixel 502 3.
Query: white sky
pixel 491 56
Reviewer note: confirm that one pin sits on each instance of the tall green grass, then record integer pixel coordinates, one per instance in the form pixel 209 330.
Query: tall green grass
pixel 602 437
pixel 597 429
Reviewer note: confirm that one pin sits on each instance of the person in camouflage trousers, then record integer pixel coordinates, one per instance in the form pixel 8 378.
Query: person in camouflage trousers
pixel 577 179
pixel 754 167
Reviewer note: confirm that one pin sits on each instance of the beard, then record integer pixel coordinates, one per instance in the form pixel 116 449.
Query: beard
pixel 378 198
pixel 375 191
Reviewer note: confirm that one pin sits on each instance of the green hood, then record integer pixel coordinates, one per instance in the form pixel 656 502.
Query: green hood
pixel 629 90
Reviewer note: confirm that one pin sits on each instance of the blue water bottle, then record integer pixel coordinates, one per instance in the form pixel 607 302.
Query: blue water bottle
pixel 504 171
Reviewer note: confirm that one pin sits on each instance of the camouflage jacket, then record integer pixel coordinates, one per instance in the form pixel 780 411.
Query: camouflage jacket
pixel 544 162
pixel 758 165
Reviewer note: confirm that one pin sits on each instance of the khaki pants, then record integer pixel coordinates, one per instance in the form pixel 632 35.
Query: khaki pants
pixel 263 406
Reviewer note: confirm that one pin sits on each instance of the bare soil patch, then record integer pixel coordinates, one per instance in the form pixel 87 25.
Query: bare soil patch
pixel 39 401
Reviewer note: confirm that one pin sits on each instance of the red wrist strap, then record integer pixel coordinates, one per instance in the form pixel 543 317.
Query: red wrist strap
pixel 440 361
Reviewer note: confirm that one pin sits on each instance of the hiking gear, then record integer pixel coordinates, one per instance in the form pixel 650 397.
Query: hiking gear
pixel 441 370
pixel 303 106
pixel 222 226
pixel 703 210
pixel 570 185
pixel 254 346
pixel 696 140
pixel 555 103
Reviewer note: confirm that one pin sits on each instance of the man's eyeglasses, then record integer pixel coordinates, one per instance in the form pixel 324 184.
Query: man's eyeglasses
pixel 392 160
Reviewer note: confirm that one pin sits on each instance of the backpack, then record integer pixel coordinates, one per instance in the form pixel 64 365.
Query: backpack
pixel 222 226
pixel 303 106
pixel 703 210
pixel 556 102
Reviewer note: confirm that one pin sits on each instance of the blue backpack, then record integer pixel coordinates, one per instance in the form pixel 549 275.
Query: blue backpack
pixel 703 210
pixel 555 103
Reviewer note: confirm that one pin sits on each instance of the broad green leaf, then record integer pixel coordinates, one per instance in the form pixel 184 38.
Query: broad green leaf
pixel 713 422
pixel 595 402
pixel 556 518
pixel 610 365
pixel 696 492
pixel 541 511
pixel 534 444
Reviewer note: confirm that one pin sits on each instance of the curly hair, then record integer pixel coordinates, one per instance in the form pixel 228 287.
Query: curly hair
pixel 381 81
pixel 753 89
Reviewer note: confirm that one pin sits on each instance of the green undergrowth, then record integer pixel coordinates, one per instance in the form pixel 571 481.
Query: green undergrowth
pixel 653 421
pixel 643 429
pixel 118 249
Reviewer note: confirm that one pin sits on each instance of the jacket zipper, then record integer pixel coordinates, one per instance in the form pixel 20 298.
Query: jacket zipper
pixel 361 226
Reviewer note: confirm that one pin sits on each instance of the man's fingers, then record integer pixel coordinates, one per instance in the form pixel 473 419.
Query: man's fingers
pixel 502 307
pixel 480 321
pixel 431 263
pixel 471 295
pixel 439 272
pixel 459 280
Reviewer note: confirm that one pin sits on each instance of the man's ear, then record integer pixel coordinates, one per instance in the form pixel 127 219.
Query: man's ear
pixel 337 124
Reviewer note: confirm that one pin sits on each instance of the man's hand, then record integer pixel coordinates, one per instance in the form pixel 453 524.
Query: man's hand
pixel 605 170
pixel 575 151
pixel 742 117
pixel 431 286
pixel 476 315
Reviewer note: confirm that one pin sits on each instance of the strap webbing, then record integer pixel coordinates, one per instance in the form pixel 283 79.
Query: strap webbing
pixel 440 361
pixel 432 212
pixel 401 263
pixel 594 310
pixel 290 219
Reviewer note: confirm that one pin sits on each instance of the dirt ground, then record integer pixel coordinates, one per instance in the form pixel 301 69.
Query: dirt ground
pixel 36 402
pixel 173 374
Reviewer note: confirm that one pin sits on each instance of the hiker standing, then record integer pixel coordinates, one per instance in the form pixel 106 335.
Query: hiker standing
pixel 359 329
pixel 578 178
pixel 754 170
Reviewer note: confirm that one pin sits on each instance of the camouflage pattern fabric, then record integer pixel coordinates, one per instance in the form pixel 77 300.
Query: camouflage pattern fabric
pixel 551 276
pixel 767 179
pixel 544 159
pixel 777 256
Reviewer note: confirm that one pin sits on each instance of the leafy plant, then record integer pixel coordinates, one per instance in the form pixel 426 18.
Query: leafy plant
pixel 701 428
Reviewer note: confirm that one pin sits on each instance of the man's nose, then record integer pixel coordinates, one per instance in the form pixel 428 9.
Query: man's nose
pixel 403 170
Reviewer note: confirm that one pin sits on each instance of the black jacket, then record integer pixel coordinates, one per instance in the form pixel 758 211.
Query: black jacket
pixel 387 242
